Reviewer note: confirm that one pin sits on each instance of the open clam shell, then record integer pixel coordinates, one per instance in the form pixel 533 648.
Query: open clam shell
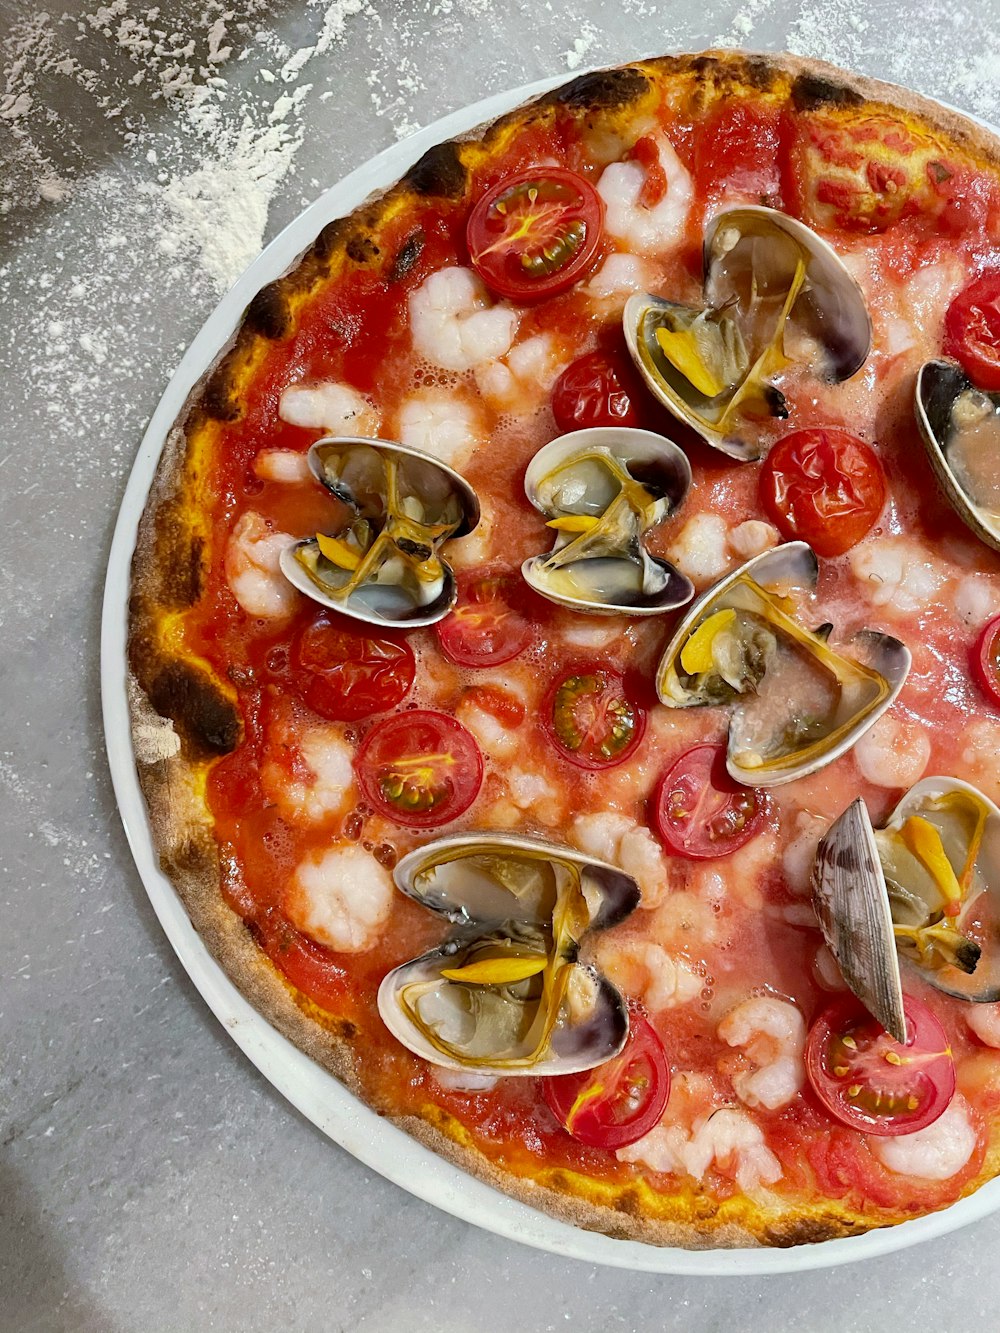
pixel 924 889
pixel 383 564
pixel 960 428
pixel 796 703
pixel 774 292
pixel 605 488
pixel 506 994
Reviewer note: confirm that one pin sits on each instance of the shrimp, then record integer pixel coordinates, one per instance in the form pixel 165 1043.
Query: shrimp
pixel 454 323
pixel 727 1139
pixel 648 972
pixel 752 538
pixel 616 280
pixel 984 1021
pixel 341 898
pixel 462 1080
pixel 936 1152
pixel 531 791
pixel 590 631
pixel 521 381
pixel 626 844
pixel 252 570
pixel 896 574
pixel 282 465
pixel 798 857
pixel 772 1034
pixel 329 406
pixel 475 549
pixel 646 230
pixel 307 770
pixel 497 739
pixel 977 599
pixel 894 752
pixel 699 549
pixel 444 422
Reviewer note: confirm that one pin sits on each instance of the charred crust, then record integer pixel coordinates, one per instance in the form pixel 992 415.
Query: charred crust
pixel 440 173
pixel 407 255
pixel 604 90
pixel 329 238
pixel 361 249
pixel 219 401
pixel 347 1029
pixel 268 312
pixel 190 856
pixel 810 92
pixel 804 1231
pixel 205 718
pixel 180 567
pixel 630 1203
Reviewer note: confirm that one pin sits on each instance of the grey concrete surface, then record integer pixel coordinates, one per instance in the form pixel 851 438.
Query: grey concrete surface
pixel 149 1177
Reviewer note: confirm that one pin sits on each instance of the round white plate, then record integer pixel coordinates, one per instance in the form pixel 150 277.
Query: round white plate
pixel 316 1093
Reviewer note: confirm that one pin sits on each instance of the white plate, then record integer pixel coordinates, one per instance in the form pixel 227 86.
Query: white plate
pixel 316 1093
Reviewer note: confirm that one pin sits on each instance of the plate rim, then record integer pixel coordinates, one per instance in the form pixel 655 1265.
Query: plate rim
pixel 315 1093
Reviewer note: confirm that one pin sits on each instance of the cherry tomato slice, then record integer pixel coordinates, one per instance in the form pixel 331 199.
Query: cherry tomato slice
pixel 986 661
pixel 823 486
pixel 487 626
pixel 590 718
pixel 419 768
pixel 618 1102
pixel 871 1082
pixel 598 389
pixel 536 233
pixel 972 331
pixel 700 812
pixel 347 676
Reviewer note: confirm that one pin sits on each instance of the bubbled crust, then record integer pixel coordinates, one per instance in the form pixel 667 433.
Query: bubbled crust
pixel 194 715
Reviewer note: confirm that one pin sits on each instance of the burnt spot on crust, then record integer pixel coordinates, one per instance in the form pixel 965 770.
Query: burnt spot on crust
pixel 784 1234
pixel 180 561
pixel 361 248
pixel 407 255
pixel 205 718
pixel 329 238
pixel 630 1203
pixel 192 856
pixel 219 401
pixel 809 91
pixel 347 1029
pixel 268 312
pixel 603 90
pixel 439 173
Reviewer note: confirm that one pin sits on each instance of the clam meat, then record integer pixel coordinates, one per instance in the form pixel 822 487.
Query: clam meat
pixel 774 293
pixel 796 703
pixel 960 427
pixel 923 889
pixel 506 993
pixel 602 490
pixel 383 564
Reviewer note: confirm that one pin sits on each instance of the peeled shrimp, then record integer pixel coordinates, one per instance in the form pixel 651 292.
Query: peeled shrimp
pixel 444 422
pixel 937 1152
pixel 772 1034
pixel 455 324
pixel 642 230
pixel 252 569
pixel 335 408
pixel 341 898
pixel 648 972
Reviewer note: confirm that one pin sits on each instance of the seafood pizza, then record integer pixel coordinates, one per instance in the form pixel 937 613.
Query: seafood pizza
pixel 565 653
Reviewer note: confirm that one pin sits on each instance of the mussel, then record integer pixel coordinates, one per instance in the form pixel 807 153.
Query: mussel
pixel 506 993
pixel 796 703
pixel 960 427
pixel 602 490
pixel 383 564
pixel 774 293
pixel 924 888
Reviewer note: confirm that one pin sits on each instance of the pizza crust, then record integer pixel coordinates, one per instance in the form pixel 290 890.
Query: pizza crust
pixel 182 717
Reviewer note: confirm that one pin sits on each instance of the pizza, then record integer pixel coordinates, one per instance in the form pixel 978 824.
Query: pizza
pixel 564 653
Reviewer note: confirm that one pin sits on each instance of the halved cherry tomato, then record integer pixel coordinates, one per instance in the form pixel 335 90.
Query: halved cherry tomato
pixel 618 1102
pixel 487 626
pixel 986 661
pixel 348 676
pixel 972 331
pixel 591 719
pixel 700 812
pixel 823 486
pixel 870 1081
pixel 420 768
pixel 598 389
pixel 536 233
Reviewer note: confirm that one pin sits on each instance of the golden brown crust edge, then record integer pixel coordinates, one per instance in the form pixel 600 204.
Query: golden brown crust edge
pixel 166 577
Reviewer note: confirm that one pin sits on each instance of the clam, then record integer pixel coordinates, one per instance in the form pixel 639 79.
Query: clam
pixel 774 292
pixel 924 888
pixel 506 993
pixel 796 703
pixel 383 564
pixel 602 490
pixel 960 426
